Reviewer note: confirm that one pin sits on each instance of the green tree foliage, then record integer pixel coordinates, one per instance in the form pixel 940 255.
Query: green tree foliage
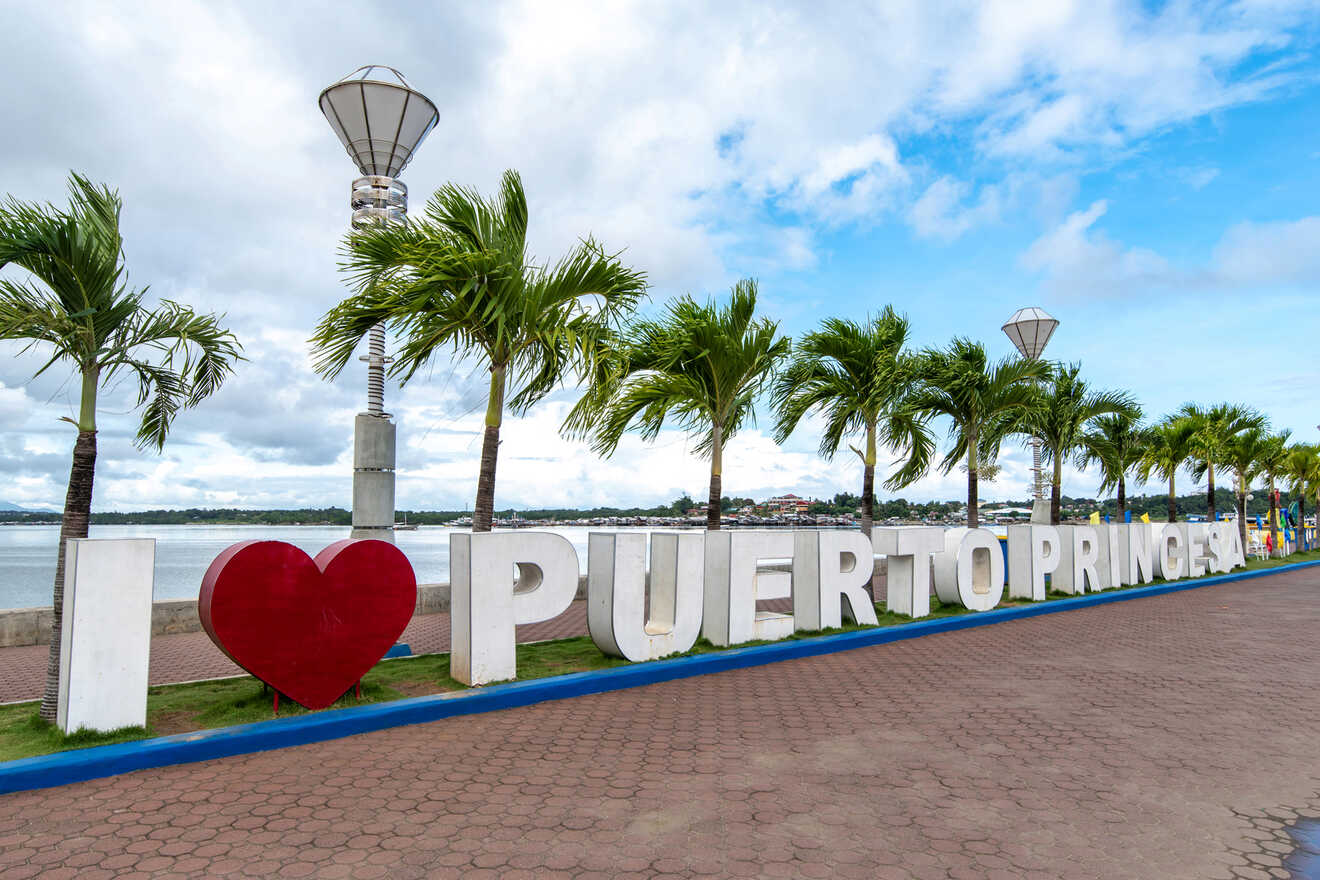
pixel 1303 470
pixel 1245 454
pixel 1067 406
pixel 1116 444
pixel 1274 467
pixel 701 366
pixel 860 378
pixel 459 280
pixel 75 308
pixel 983 402
pixel 1213 429
pixel 1167 446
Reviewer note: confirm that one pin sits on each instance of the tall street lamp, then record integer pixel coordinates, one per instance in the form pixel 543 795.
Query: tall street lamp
pixel 380 119
pixel 1030 329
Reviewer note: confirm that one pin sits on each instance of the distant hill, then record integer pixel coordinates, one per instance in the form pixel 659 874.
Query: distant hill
pixel 14 508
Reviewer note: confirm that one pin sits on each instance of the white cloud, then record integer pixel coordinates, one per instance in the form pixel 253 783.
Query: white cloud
pixel 1075 258
pixel 711 141
pixel 1078 260
pixel 941 211
pixel 14 407
pixel 1281 252
pixel 1200 177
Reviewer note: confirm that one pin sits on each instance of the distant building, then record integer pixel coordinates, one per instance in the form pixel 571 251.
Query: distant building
pixel 1015 512
pixel 787 504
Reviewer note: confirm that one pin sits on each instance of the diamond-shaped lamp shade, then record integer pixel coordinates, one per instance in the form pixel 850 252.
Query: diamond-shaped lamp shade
pixel 1030 329
pixel 379 117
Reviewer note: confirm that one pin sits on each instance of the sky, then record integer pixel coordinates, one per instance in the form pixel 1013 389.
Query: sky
pixel 1146 172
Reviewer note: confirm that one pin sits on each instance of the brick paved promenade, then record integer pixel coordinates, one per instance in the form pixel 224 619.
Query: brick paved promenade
pixel 1168 737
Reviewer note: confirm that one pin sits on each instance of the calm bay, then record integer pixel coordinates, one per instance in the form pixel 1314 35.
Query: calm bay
pixel 183 552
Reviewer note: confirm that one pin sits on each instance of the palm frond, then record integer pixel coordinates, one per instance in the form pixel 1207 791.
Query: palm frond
pixel 698 366
pixel 78 307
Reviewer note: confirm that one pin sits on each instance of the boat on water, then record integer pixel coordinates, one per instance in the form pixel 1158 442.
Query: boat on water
pixel 405 526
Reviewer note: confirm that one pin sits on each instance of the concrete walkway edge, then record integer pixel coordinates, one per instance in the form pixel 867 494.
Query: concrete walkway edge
pixel 79 765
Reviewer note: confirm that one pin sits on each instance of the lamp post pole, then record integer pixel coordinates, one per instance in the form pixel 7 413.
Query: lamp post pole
pixel 381 120
pixel 1030 330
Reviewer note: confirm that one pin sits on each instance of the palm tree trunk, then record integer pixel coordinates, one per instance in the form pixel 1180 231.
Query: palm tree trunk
pixel 868 498
pixel 1274 519
pixel 973 513
pixel 1056 492
pixel 1210 491
pixel 1122 498
pixel 1301 521
pixel 1315 536
pixel 483 511
pixel 1173 503
pixel 868 482
pixel 716 466
pixel 1242 516
pixel 77 513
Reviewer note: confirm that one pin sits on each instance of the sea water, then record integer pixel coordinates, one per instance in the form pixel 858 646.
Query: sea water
pixel 183 553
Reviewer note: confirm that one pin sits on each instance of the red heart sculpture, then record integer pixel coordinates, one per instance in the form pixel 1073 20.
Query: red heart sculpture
pixel 308 628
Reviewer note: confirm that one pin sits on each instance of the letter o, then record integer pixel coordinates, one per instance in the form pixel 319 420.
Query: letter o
pixel 970 571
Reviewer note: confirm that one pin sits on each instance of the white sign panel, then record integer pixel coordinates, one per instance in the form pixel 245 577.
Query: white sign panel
pixel 105 639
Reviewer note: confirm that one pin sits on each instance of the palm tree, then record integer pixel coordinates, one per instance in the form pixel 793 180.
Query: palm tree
pixel 460 279
pixel 1066 408
pixel 703 364
pixel 1115 443
pixel 1274 467
pixel 77 309
pixel 859 378
pixel 984 403
pixel 1245 454
pixel 1215 427
pixel 1304 477
pixel 1167 447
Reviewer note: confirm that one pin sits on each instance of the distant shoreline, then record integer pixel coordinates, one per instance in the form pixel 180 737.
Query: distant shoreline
pixel 841 511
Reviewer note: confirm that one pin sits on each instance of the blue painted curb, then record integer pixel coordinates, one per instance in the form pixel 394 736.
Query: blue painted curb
pixel 79 765
pixel 399 649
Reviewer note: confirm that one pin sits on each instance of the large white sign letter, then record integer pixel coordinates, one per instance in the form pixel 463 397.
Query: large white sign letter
pixel 486 602
pixel 1115 557
pixel 907 552
pixel 1197 548
pixel 1170 550
pixel 1140 567
pixel 970 571
pixel 1033 552
pixel 729 615
pixel 617 616
pixel 1085 559
pixel 828 568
